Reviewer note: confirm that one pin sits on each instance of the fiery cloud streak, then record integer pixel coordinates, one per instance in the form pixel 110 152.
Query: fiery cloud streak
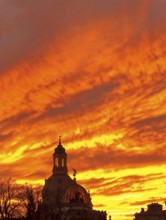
pixel 94 72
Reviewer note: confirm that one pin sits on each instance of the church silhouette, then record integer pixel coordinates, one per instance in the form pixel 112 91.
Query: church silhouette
pixel 62 197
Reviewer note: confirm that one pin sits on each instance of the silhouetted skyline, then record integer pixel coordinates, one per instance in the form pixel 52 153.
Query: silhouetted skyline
pixel 92 71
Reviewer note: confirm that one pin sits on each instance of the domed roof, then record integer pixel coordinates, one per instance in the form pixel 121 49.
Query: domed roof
pixel 60 149
pixel 76 193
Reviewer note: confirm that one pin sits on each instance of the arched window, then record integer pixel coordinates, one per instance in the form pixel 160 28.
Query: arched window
pixel 63 162
pixel 56 161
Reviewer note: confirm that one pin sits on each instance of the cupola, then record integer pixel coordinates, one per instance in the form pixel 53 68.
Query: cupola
pixel 59 160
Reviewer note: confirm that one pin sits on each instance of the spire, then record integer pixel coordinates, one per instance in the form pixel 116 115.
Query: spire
pixel 59 140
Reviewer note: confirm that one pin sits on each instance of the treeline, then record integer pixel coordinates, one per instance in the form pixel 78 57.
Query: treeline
pixel 17 200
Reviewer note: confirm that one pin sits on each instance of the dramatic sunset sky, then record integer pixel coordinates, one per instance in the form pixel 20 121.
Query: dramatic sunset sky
pixel 94 72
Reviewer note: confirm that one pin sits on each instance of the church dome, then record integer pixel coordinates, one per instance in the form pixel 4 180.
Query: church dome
pixel 76 193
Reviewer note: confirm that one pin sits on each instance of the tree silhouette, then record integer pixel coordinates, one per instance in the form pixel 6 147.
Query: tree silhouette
pixel 10 200
pixel 31 201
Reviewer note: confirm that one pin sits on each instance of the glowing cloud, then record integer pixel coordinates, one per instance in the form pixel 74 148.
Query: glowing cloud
pixel 93 72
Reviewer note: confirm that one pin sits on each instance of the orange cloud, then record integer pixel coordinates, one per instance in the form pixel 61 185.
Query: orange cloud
pixel 93 72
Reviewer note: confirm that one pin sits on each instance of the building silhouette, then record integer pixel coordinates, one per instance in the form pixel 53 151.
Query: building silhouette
pixel 154 212
pixel 63 198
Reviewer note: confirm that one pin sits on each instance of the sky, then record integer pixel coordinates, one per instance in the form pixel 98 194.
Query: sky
pixel 92 71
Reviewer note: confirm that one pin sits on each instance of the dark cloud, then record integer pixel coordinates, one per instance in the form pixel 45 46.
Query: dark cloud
pixel 122 185
pixel 91 159
pixel 86 70
pixel 4 137
pixel 27 28
pixel 156 122
pixel 148 201
pixel 128 184
pixel 95 182
pixel 100 206
pixel 87 99
pixel 17 119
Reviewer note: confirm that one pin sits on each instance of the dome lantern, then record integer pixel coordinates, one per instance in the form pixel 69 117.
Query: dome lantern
pixel 60 159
